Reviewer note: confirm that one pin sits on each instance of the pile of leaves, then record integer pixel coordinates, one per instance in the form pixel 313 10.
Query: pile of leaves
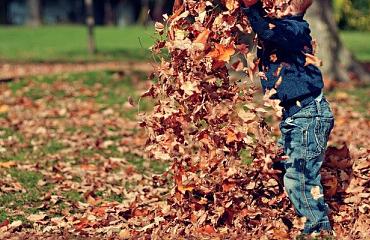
pixel 204 122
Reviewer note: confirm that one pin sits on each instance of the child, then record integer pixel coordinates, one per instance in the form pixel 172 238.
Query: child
pixel 307 118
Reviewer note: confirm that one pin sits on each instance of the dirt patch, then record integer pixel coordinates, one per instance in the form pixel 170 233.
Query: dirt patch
pixel 9 72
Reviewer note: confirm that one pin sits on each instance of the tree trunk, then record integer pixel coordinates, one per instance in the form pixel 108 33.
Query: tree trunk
pixel 144 13
pixel 3 12
pixel 159 9
pixel 90 22
pixel 34 14
pixel 339 64
pixel 108 13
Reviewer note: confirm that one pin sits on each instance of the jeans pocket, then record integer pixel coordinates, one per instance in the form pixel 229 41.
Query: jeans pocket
pixel 322 131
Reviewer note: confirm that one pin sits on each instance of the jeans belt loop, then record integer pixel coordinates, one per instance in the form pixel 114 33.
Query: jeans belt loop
pixel 317 101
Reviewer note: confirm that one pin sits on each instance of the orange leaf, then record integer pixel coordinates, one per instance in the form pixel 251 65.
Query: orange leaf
pixel 4 108
pixel 207 229
pixel 273 57
pixel 183 188
pixel 231 136
pixel 232 4
pixel 99 211
pixel 222 52
pixel 140 212
pixel 83 223
pixel 227 186
pixel 8 164
pixel 203 37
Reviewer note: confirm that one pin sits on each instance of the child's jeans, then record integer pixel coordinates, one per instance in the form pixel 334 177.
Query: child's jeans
pixel 304 137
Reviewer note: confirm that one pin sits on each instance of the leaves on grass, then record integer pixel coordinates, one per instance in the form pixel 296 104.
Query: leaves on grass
pixel 74 151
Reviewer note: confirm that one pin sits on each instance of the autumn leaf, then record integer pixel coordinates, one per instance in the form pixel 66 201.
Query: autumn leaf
pixel 207 229
pixel 202 37
pixel 273 57
pixel 272 26
pixel 221 52
pixel 231 136
pixel 232 4
pixel 159 27
pixel 15 224
pixel 246 116
pixel 311 59
pixel 8 164
pixel 4 108
pixel 278 82
pixel 36 217
pixel 189 87
pixel 183 188
pixel 125 234
pixel 227 186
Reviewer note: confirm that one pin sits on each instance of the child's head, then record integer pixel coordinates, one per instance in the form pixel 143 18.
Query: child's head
pixel 297 7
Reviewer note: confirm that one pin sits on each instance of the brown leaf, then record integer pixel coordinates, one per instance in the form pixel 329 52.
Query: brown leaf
pixel 36 217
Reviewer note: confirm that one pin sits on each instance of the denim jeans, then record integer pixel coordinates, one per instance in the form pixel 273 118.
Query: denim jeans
pixel 304 138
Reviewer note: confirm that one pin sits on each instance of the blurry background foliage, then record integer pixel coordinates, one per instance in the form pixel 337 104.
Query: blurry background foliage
pixel 352 14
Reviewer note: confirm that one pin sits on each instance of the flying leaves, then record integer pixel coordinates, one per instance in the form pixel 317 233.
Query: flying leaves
pixel 206 130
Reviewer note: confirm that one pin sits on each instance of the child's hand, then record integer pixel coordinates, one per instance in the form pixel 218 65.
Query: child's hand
pixel 249 3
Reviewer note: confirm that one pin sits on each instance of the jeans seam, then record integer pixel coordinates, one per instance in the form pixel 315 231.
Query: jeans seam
pixel 302 176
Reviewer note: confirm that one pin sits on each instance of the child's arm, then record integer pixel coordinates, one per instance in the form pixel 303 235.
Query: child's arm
pixel 283 33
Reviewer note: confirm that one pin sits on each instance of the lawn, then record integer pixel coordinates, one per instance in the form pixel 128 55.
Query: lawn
pixel 358 43
pixel 68 43
pixel 71 129
pixel 71 152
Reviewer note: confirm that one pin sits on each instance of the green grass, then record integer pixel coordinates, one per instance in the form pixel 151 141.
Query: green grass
pixel 29 180
pixel 69 43
pixel 358 43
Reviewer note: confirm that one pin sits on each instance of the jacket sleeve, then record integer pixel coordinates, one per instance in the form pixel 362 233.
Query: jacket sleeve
pixel 283 33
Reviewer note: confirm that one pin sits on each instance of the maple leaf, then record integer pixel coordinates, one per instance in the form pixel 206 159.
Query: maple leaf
pixel 221 52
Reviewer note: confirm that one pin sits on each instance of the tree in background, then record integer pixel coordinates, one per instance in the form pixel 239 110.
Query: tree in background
pixel 108 13
pixel 352 14
pixel 34 14
pixel 144 13
pixel 339 63
pixel 90 26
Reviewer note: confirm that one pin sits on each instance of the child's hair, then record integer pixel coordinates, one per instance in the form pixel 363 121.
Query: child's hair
pixel 301 5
